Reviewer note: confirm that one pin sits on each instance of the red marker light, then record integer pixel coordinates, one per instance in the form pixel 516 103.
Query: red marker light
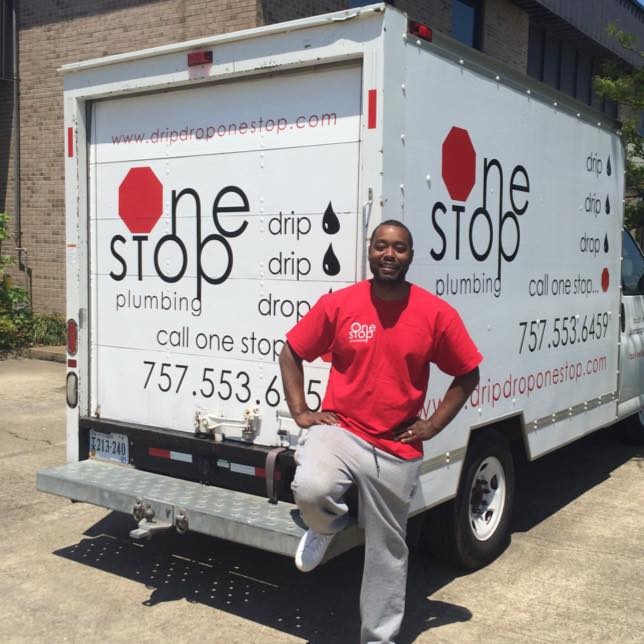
pixel 70 141
pixel 371 119
pixel 420 30
pixel 199 58
pixel 72 337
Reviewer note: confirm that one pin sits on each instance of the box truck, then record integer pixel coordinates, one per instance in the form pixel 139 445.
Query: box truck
pixel 216 188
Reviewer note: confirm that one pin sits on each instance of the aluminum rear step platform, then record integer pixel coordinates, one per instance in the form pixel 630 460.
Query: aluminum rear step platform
pixel 235 516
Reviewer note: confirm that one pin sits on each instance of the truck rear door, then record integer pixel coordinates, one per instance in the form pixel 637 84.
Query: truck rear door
pixel 219 214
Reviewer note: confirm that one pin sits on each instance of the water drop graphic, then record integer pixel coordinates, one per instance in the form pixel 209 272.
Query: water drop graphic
pixel 330 263
pixel 608 170
pixel 606 243
pixel 330 221
pixel 607 206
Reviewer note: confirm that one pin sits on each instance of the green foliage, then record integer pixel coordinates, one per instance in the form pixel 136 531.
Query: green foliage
pixel 19 327
pixel 13 301
pixel 5 260
pixel 47 329
pixel 626 86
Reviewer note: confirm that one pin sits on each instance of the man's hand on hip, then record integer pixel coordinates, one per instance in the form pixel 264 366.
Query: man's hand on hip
pixel 453 401
pixel 415 430
pixel 309 418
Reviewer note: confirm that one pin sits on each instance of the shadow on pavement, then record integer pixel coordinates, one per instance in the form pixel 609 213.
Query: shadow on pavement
pixel 550 483
pixel 322 606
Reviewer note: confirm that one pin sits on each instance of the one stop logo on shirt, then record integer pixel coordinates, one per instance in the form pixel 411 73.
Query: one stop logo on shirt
pixel 361 332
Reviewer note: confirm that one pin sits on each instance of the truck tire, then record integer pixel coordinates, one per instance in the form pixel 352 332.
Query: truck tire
pixel 632 428
pixel 474 528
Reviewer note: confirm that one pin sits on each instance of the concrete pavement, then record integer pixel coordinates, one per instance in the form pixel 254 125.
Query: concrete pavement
pixel 54 354
pixel 69 572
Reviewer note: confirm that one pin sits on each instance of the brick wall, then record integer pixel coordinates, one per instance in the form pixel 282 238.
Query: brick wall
pixel 505 33
pixel 273 11
pixel 55 32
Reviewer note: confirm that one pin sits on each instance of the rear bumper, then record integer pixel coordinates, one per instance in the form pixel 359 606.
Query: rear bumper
pixel 227 514
pixel 229 464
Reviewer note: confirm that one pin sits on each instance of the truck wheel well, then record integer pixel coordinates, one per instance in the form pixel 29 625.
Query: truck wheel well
pixel 512 430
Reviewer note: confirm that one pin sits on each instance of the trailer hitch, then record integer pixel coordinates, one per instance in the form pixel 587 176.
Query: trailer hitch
pixel 146 516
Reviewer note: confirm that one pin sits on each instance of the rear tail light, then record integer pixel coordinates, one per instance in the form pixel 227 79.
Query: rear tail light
pixel 199 58
pixel 420 30
pixel 72 337
pixel 71 389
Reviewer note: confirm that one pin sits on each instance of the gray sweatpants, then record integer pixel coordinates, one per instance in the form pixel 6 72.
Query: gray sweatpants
pixel 329 460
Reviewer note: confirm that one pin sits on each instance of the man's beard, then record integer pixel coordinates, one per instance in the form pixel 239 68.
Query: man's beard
pixel 388 279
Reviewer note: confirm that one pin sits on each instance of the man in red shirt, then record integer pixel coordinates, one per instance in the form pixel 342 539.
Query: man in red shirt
pixel 382 335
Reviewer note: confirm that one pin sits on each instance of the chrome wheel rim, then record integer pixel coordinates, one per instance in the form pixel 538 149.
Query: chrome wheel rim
pixel 487 498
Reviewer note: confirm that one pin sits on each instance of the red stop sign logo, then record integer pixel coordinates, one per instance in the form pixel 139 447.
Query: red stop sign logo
pixel 140 200
pixel 459 164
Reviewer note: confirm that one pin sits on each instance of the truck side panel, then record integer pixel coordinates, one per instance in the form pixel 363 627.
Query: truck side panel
pixel 516 209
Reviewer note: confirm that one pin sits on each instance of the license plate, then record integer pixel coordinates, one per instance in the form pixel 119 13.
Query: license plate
pixel 109 447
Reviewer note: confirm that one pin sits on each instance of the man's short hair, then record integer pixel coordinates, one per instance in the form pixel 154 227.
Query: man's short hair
pixel 397 224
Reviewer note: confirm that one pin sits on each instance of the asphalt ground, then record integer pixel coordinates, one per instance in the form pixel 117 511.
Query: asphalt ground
pixel 574 571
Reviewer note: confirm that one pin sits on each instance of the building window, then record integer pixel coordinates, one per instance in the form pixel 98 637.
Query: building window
pixel 466 22
pixel 561 65
pixel 536 44
pixel 583 81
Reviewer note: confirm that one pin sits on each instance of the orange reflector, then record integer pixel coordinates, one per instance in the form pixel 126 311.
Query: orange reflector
pixel 420 30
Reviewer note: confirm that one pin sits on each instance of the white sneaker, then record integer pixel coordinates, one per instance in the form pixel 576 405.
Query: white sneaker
pixel 311 550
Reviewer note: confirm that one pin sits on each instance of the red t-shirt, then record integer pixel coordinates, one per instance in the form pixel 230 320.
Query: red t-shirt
pixel 380 355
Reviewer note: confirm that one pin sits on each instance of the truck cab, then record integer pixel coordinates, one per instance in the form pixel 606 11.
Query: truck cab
pixel 631 373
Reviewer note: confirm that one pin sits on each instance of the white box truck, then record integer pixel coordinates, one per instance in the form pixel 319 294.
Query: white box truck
pixel 216 188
